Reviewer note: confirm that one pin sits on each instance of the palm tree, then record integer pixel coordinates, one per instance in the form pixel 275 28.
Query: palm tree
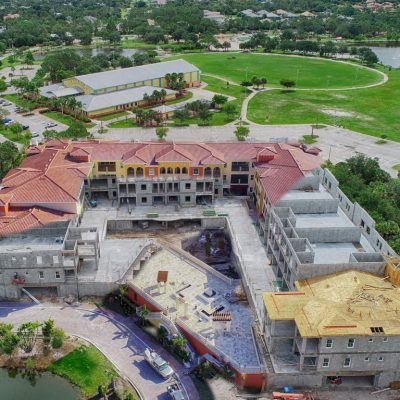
pixel 167 78
pixel 146 98
pixel 143 313
pixel 78 107
pixel 263 82
pixel 163 95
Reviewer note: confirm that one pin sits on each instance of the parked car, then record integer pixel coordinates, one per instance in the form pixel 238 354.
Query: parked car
pixel 6 119
pixel 25 127
pixel 50 124
pixel 6 104
pixel 175 393
pixel 34 134
pixel 158 363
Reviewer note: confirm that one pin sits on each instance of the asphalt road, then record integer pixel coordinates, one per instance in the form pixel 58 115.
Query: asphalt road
pixel 337 144
pixel 117 337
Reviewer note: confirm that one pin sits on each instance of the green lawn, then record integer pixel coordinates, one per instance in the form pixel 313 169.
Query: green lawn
pixel 123 123
pixel 373 111
pixel 112 116
pixel 220 86
pixel 137 44
pixel 86 367
pixel 23 137
pixel 65 119
pixel 17 100
pixel 308 72
pixel 218 119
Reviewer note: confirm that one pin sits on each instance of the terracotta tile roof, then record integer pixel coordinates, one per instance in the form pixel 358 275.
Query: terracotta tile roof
pixel 20 220
pixel 50 176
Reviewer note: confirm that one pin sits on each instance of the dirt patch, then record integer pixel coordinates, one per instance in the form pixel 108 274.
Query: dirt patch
pixel 337 113
pixel 42 357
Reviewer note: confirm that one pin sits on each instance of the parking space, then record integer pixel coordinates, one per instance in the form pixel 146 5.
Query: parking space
pixel 37 123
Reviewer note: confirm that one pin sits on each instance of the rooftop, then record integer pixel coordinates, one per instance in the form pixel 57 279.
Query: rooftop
pixel 141 73
pixel 350 303
pixel 197 296
pixel 99 101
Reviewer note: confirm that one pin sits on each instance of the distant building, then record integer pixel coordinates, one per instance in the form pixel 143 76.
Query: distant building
pixel 110 91
pixel 10 16
pixel 214 16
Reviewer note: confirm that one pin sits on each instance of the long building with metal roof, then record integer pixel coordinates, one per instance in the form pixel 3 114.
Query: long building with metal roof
pixel 106 92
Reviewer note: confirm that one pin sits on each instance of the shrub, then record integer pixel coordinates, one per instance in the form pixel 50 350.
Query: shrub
pixel 58 338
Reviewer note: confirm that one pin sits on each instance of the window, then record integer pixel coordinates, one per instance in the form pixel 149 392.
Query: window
pixel 380 359
pixel 187 185
pixel 142 187
pixel 385 339
pixel 195 171
pixel 13 259
pixel 325 362
pixel 377 329
pixel 362 223
pixel 368 230
pixel 24 259
pixel 366 359
pixel 350 343
pixel 144 200
pixel 113 180
pixel 370 340
pixel 55 259
pixel 187 198
pixel 347 362
pixel 41 275
pixel 58 276
pixel 39 260
pixel 251 177
pixel 151 171
pixel 329 343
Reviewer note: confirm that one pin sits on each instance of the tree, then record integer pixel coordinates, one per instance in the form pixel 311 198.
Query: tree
pixel 50 134
pixel 48 331
pixel 143 313
pixel 263 82
pixel 28 333
pixel 230 109
pixel 75 131
pixel 125 62
pixel 57 338
pixel 29 59
pixel 16 128
pixel 219 100
pixel 205 115
pixel 241 133
pixel 226 45
pixel 10 157
pixel 3 85
pixel 9 342
pixel 287 83
pixel 182 115
pixel 161 132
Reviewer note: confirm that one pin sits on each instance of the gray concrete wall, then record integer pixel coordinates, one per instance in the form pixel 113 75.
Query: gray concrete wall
pixel 311 206
pixel 346 234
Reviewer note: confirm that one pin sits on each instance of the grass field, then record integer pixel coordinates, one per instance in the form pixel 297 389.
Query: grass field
pixel 373 111
pixel 86 367
pixel 23 137
pixel 65 119
pixel 112 116
pixel 17 100
pixel 137 44
pixel 123 123
pixel 308 72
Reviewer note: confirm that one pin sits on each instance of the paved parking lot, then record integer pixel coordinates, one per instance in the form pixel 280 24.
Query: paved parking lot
pixel 37 122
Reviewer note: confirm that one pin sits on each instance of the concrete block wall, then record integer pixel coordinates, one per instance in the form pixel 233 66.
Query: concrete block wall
pixel 331 234
pixel 311 206
pixel 355 212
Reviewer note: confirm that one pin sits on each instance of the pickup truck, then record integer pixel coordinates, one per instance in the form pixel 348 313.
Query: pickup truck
pixel 158 363
pixel 174 392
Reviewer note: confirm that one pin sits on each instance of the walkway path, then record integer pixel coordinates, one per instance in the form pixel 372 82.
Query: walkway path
pixel 118 338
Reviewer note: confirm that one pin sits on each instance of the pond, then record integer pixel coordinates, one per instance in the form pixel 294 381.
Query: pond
pixel 46 386
pixel 388 53
pixel 94 52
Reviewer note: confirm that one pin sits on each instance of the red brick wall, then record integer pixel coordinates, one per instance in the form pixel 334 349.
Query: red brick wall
pixel 254 381
pixel 137 299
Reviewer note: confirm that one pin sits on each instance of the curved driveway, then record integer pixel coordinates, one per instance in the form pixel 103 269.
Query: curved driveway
pixel 117 338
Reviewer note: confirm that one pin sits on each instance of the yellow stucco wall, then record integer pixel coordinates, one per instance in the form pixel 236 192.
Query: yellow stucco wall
pixel 73 82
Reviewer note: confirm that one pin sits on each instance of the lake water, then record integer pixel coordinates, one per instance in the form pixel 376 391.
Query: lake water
pixel 94 52
pixel 388 53
pixel 46 387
